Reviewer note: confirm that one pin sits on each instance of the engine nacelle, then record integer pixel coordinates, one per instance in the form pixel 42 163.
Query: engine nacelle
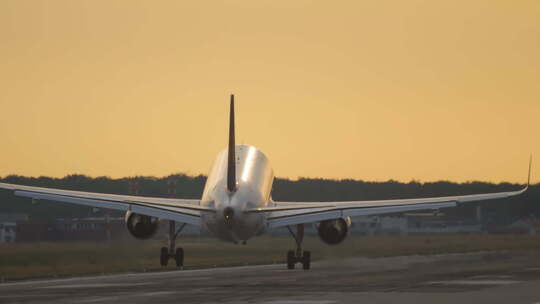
pixel 333 232
pixel 141 226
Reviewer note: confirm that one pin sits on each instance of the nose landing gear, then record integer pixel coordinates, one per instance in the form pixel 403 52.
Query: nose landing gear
pixel 172 252
pixel 300 255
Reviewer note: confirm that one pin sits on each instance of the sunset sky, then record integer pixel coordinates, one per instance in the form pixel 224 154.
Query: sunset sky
pixel 371 90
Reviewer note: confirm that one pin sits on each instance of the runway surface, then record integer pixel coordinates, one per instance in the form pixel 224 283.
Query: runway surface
pixel 459 278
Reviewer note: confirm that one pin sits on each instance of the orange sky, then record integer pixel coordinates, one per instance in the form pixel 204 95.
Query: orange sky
pixel 371 90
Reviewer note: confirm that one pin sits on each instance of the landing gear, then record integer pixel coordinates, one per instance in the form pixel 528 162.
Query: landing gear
pixel 164 258
pixel 179 257
pixel 298 256
pixel 306 260
pixel 291 259
pixel 172 252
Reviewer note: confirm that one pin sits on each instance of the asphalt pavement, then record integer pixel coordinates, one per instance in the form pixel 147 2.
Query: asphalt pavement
pixel 455 278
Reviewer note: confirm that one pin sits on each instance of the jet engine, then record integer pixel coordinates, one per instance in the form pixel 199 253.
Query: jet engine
pixel 141 226
pixel 333 232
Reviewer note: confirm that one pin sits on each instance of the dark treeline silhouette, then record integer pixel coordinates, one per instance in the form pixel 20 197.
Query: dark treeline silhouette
pixel 304 189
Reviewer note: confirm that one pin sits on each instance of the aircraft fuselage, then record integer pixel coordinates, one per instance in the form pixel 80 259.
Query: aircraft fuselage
pixel 254 178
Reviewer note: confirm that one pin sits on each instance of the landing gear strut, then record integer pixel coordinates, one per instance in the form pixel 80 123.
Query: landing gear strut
pixel 300 255
pixel 172 252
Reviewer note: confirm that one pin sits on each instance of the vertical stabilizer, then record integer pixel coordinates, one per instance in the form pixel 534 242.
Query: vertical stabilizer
pixel 231 164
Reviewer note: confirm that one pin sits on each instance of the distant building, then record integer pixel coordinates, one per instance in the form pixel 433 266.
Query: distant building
pixel 379 225
pixel 413 223
pixel 71 229
pixel 525 225
pixel 88 229
pixel 8 232
pixel 32 231
pixel 8 226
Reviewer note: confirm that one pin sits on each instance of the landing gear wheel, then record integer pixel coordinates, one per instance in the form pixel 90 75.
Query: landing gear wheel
pixel 179 257
pixel 164 258
pixel 291 259
pixel 306 260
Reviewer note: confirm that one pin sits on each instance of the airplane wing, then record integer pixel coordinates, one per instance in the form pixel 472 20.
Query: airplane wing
pixel 180 210
pixel 292 213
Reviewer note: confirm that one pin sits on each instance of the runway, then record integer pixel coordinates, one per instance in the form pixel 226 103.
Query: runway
pixel 455 278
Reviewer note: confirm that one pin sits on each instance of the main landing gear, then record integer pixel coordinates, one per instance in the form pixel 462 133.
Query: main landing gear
pixel 298 256
pixel 172 252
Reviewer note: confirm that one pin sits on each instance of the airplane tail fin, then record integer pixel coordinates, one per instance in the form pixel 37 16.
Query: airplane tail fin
pixel 231 164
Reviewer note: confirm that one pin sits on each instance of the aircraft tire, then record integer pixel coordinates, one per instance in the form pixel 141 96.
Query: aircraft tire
pixel 291 259
pixel 179 257
pixel 306 260
pixel 164 258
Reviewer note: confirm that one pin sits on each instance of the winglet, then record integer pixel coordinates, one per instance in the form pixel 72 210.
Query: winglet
pixel 529 176
pixel 231 164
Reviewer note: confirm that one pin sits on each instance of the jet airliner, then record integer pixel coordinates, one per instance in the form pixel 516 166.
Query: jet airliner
pixel 236 205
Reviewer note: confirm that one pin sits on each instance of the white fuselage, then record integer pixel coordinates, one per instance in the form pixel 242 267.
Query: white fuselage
pixel 254 179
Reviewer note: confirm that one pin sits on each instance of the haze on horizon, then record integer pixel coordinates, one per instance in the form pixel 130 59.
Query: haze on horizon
pixel 371 90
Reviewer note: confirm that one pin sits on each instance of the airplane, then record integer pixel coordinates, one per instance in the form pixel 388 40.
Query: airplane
pixel 236 205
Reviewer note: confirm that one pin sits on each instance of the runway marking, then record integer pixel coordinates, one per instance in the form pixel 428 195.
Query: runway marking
pixel 28 296
pixel 492 277
pixel 155 293
pixel 299 302
pixel 101 299
pixel 475 282
pixel 142 274
pixel 95 285
pixel 111 299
